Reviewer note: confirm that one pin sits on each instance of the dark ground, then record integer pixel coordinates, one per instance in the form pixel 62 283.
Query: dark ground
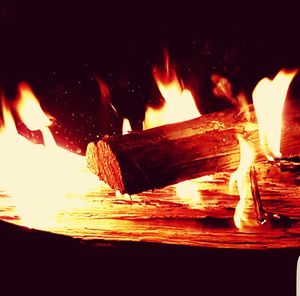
pixel 40 262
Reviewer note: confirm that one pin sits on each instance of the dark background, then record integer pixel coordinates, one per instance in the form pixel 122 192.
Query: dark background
pixel 60 47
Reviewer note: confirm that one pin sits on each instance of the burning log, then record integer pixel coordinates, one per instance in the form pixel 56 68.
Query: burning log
pixel 176 152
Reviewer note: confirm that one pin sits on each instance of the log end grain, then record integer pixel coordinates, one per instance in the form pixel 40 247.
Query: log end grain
pixel 103 162
pixel 176 152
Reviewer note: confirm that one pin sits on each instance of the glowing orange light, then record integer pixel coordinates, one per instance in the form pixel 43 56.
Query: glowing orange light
pixel 188 192
pixel 104 90
pixel 40 178
pixel 268 99
pixel 179 102
pixel 240 176
pixel 126 128
pixel 29 109
pixel 179 106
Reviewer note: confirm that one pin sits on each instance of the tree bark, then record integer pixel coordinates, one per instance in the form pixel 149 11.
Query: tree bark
pixel 173 153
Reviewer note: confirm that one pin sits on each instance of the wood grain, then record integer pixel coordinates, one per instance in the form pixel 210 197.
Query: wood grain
pixel 172 153
pixel 201 218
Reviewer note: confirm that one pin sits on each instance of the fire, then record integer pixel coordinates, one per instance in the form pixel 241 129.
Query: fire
pixel 268 99
pixel 179 102
pixel 179 106
pixel 190 193
pixel 29 109
pixel 126 127
pixel 240 177
pixel 40 178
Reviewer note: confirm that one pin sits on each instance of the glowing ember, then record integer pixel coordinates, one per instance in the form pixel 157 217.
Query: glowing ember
pixel 268 99
pixel 240 176
pixel 39 178
pixel 190 193
pixel 179 102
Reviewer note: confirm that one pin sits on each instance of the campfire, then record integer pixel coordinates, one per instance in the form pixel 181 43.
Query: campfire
pixel 37 170
pixel 179 145
pixel 150 146
pixel 178 148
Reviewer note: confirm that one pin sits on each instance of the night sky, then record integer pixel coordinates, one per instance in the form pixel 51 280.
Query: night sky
pixel 61 47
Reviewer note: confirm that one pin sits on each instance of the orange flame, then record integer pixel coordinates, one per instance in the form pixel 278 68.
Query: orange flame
pixel 104 90
pixel 30 110
pixel 179 106
pixel 40 178
pixel 32 115
pixel 179 102
pixel 126 127
pixel 8 127
pixel 268 99
pixel 190 193
pixel 240 176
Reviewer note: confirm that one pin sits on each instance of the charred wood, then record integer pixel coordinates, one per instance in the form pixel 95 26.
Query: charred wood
pixel 173 153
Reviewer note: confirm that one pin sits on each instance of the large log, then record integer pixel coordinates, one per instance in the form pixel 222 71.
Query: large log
pixel 173 153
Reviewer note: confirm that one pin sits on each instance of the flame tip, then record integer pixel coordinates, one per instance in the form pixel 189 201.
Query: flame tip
pixel 271 92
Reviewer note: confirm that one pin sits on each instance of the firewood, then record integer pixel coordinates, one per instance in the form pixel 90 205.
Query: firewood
pixel 173 153
pixel 263 216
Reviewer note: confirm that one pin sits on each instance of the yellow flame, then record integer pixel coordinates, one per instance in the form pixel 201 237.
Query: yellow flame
pixel 179 106
pixel 29 109
pixel 240 177
pixel 189 192
pixel 268 99
pixel 126 127
pixel 8 127
pixel 41 179
pixel 179 102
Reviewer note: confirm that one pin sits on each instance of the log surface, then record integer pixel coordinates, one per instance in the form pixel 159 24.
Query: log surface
pixel 176 152
pixel 201 216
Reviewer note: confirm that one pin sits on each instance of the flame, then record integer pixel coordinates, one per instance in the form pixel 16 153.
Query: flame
pixel 268 99
pixel 126 127
pixel 179 102
pixel 104 90
pixel 179 106
pixel 190 193
pixel 240 177
pixel 40 178
pixel 29 109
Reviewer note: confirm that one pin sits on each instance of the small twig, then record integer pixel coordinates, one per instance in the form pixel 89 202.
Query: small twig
pixel 261 214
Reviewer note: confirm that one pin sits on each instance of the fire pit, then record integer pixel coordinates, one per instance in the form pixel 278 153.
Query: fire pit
pixel 194 212
pixel 187 162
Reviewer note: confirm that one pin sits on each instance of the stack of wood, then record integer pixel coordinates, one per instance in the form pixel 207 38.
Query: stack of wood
pixel 173 153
